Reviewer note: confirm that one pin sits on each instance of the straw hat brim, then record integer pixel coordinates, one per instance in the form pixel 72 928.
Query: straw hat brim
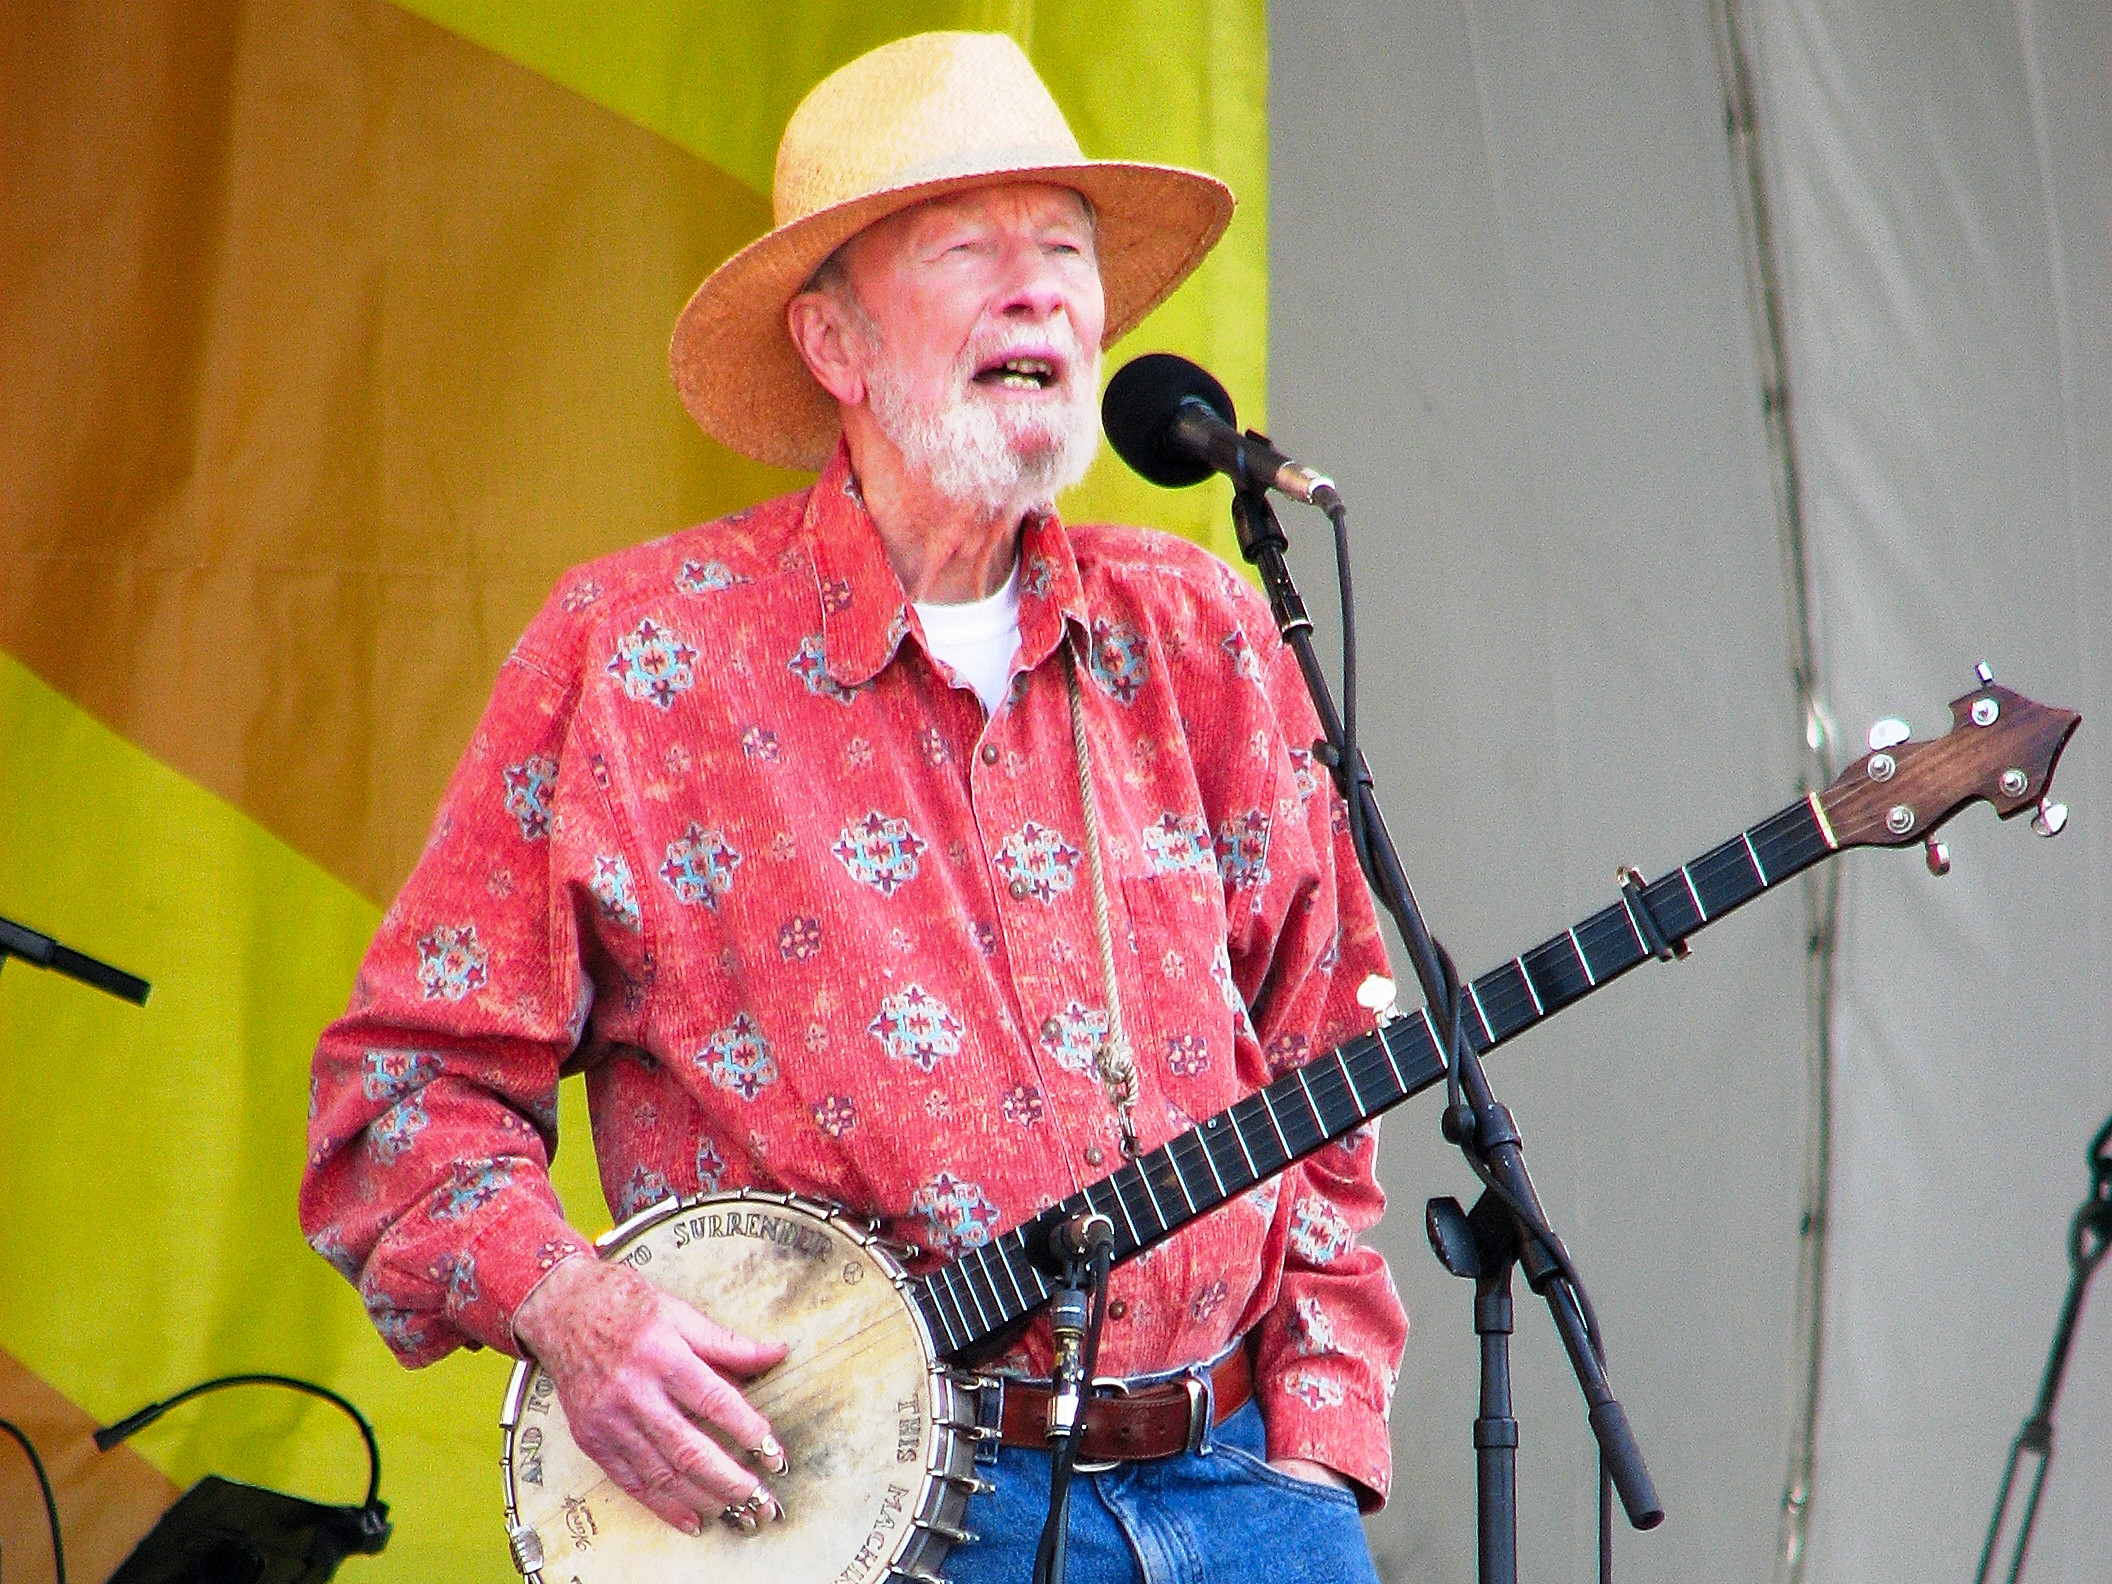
pixel 741 377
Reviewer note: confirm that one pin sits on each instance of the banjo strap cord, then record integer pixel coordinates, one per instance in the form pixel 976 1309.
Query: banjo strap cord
pixel 1116 1062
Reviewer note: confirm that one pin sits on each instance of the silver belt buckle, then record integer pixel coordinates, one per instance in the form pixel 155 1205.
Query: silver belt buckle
pixel 1202 1413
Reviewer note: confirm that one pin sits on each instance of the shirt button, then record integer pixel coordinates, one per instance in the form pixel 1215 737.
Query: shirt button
pixel 989 753
pixel 1117 1309
pixel 1018 888
pixel 1094 1155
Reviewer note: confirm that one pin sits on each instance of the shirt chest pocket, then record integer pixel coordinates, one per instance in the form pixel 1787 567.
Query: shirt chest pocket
pixel 1178 999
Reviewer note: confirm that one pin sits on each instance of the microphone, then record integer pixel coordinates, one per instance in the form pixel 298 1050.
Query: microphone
pixel 1173 423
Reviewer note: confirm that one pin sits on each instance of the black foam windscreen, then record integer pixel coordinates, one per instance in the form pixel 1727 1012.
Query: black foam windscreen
pixel 1138 411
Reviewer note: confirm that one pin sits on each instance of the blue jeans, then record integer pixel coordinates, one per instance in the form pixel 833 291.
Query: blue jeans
pixel 1218 1517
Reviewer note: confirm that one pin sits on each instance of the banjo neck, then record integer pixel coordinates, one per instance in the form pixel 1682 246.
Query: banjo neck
pixel 1152 1197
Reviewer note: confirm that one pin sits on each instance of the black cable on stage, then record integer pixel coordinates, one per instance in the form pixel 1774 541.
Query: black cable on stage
pixel 51 1507
pixel 1151 417
pixel 1359 801
pixel 132 1423
pixel 1453 1035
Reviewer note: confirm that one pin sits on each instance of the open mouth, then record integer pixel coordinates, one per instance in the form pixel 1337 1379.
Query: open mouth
pixel 1020 374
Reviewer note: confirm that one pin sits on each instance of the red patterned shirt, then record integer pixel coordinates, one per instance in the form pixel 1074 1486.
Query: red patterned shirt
pixel 729 840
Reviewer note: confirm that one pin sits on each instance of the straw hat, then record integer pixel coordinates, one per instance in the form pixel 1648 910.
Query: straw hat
pixel 913 120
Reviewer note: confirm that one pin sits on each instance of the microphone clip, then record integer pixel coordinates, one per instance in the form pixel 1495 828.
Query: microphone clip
pixel 1078 1238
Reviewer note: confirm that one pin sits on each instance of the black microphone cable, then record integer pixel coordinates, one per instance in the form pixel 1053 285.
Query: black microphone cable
pixel 139 1419
pixel 1452 1037
pixel 1140 413
pixel 51 1507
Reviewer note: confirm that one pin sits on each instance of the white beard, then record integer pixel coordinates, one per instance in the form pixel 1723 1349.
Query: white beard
pixel 991 456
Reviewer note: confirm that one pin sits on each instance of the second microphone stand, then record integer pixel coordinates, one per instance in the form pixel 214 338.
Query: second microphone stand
pixel 1508 1226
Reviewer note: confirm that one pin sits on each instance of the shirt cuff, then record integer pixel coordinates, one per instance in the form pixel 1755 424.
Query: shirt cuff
pixel 509 1259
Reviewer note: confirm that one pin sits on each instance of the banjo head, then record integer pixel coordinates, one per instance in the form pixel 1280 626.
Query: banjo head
pixel 879 1474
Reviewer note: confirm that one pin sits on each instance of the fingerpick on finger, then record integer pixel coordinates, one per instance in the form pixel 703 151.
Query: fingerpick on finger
pixel 713 1478
pixel 771 1454
pixel 759 1507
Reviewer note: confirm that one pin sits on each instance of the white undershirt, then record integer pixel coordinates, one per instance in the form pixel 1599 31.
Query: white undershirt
pixel 978 639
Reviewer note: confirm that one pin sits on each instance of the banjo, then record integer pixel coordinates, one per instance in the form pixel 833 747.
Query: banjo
pixel 880 1422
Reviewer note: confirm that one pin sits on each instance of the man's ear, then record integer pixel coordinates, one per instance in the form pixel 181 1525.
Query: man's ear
pixel 820 329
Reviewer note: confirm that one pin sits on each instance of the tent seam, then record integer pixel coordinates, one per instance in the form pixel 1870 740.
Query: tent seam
pixel 1765 294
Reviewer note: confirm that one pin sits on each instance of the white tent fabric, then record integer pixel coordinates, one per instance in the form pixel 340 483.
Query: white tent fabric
pixel 1945 180
pixel 1509 314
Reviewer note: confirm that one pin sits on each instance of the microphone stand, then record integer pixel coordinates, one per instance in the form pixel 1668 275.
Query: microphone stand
pixel 2089 1239
pixel 1516 1226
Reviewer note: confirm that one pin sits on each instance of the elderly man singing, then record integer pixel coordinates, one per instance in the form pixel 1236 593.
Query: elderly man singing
pixel 895 844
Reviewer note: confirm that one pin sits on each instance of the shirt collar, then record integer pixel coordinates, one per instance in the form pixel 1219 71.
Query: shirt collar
pixel 864 613
pixel 1050 589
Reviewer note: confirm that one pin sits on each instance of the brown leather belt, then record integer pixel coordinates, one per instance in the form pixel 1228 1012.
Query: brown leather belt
pixel 1136 1423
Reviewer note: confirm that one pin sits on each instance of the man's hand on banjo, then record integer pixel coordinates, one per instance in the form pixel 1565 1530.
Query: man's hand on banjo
pixel 637 1373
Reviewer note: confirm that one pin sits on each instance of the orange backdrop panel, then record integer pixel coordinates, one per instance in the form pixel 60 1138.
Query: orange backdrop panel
pixel 319 366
